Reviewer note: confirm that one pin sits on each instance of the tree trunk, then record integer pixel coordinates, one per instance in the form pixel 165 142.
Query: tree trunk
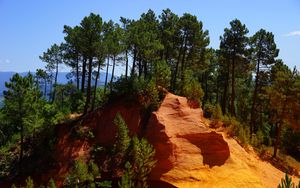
pixel 232 108
pixel 145 69
pixel 126 70
pixel 277 138
pixel 183 61
pixel 21 150
pixel 83 75
pixel 140 66
pixel 112 73
pixel 88 94
pixel 45 88
pixel 96 82
pixel 252 123
pixel 217 91
pixel 51 87
pixel 106 75
pixel 77 72
pixel 134 62
pixel 55 82
pixel 224 100
pixel 176 69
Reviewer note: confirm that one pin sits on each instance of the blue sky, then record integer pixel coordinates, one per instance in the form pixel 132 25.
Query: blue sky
pixel 29 27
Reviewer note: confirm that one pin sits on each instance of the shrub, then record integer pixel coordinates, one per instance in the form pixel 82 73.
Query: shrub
pixel 127 178
pixel 79 174
pixel 191 88
pixel 208 110
pixel 85 175
pixel 29 183
pixel 217 112
pixel 144 91
pixel 122 137
pixel 147 93
pixel 143 156
pixel 257 139
pixel 51 184
pixel 101 97
pixel 235 128
pixel 162 74
pixel 286 182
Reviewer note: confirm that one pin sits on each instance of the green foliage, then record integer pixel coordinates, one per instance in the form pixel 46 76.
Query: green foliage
pixel 122 138
pixel 236 129
pixel 191 88
pixel 29 183
pixel 287 182
pixel 213 111
pixel 147 93
pixel 51 184
pixel 143 156
pixel 144 91
pixel 104 184
pixel 83 174
pixel 101 97
pixel 162 74
pixel 208 110
pixel 52 115
pixel 217 113
pixel 257 139
pixel 127 178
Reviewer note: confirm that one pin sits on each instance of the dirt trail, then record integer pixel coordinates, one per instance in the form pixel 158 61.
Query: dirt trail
pixel 190 154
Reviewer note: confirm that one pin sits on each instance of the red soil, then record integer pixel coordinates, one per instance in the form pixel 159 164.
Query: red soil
pixel 188 152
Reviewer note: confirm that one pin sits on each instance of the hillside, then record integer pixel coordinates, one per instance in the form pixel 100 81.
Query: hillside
pixel 190 154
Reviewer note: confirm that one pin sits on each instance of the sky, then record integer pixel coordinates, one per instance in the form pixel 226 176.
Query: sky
pixel 28 28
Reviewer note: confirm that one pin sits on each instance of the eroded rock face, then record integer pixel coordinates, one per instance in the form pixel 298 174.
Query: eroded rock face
pixel 183 142
pixel 190 154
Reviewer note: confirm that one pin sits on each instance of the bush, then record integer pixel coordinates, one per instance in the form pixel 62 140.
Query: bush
pixel 127 178
pixel 257 139
pixel 213 111
pixel 191 88
pixel 144 91
pixel 217 113
pixel 101 97
pixel 51 184
pixel 286 182
pixel 85 175
pixel 122 137
pixel 143 156
pixel 162 74
pixel 147 93
pixel 236 129
pixel 29 183
pixel 208 110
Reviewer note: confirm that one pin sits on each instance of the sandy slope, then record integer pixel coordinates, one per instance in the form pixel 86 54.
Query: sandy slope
pixel 190 154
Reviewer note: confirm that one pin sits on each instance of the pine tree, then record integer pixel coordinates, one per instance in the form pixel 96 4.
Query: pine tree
pixel 233 47
pixel 264 52
pixel 22 101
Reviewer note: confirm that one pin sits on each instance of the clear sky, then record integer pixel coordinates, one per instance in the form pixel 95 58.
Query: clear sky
pixel 29 27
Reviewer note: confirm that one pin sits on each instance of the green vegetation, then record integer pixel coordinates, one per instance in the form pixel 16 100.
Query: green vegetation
pixel 242 84
pixel 286 182
pixel 140 154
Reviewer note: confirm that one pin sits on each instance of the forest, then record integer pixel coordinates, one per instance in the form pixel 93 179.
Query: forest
pixel 242 86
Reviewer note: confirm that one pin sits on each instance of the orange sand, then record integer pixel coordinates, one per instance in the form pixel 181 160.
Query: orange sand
pixel 190 154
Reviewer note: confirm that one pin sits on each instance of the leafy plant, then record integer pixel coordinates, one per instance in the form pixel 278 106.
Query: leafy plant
pixel 127 178
pixel 287 182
